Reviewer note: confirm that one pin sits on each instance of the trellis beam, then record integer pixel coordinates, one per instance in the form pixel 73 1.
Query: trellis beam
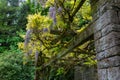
pixel 79 39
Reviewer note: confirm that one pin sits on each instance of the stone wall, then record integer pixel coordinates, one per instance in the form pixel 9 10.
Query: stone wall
pixel 106 17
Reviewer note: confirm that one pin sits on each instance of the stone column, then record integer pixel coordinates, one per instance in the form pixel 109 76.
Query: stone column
pixel 106 17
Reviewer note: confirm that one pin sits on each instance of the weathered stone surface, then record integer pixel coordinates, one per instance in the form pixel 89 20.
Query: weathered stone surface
pixel 102 74
pixel 99 7
pixel 97 35
pixel 109 28
pixel 106 14
pixel 117 1
pixel 96 15
pixel 104 8
pixel 97 26
pixel 109 62
pixel 115 50
pixel 119 15
pixel 109 17
pixel 114 73
pixel 109 6
pixel 107 41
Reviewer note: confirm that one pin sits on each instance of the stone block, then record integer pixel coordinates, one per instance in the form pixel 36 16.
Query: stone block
pixel 109 17
pixel 108 41
pixel 115 50
pixel 97 26
pixel 102 74
pixel 109 6
pixel 109 28
pixel 96 15
pixel 109 62
pixel 117 1
pixel 114 73
pixel 97 46
pixel 97 35
pixel 119 15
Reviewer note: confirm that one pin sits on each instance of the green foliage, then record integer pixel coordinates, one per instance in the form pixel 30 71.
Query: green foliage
pixel 8 16
pixel 9 39
pixel 12 68
pixel 12 20
pixel 24 10
pixel 12 24
pixel 8 12
pixel 61 74
pixel 41 39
